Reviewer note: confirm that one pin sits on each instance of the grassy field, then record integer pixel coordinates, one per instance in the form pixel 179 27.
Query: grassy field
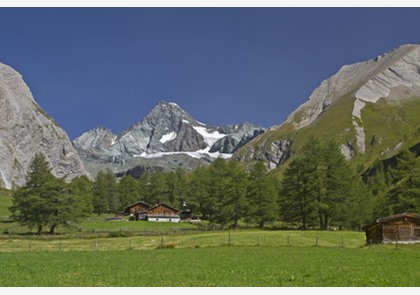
pixel 194 239
pixel 235 266
pixel 98 224
pixel 140 254
pixel 241 258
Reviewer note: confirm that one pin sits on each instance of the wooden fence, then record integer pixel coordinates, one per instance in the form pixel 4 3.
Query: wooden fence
pixel 97 242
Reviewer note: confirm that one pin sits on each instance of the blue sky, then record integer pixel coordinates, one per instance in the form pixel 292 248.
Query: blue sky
pixel 90 67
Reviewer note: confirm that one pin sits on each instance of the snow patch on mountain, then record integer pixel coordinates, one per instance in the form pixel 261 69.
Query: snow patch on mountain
pixel 209 137
pixel 197 154
pixel 168 137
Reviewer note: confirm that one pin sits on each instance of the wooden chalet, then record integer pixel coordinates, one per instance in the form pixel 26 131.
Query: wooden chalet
pixel 158 213
pixel 163 213
pixel 404 228
pixel 138 209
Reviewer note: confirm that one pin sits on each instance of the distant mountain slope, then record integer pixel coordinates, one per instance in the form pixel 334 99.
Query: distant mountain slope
pixel 26 129
pixel 167 138
pixel 371 108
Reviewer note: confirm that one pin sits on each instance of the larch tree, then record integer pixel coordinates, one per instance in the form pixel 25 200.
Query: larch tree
pixel 105 196
pixel 262 195
pixel 44 200
pixel 404 195
pixel 128 191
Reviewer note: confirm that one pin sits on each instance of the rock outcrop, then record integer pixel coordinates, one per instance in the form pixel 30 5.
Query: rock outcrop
pixel 26 129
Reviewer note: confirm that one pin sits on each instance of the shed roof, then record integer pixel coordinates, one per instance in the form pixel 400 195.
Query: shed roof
pixel 390 218
pixel 398 216
pixel 163 204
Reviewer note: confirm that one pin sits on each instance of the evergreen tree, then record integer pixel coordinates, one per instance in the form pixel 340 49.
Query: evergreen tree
pixel 45 200
pixel 227 188
pixel 378 184
pixel 359 206
pixel 29 202
pixel 145 185
pixel 338 182
pixel 105 196
pixel 404 195
pixel 200 201
pixel 64 208
pixel 158 188
pixel 82 189
pixel 177 184
pixel 318 183
pixel 314 177
pixel 262 196
pixel 128 191
pixel 297 203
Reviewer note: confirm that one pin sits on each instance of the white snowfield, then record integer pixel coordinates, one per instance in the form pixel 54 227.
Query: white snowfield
pixel 209 137
pixel 197 154
pixel 168 137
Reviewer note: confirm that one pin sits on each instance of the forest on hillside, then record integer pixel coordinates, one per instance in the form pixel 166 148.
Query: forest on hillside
pixel 316 190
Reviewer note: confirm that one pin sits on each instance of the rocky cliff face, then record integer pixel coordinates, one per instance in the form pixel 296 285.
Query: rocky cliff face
pixel 167 132
pixel 392 78
pixel 26 129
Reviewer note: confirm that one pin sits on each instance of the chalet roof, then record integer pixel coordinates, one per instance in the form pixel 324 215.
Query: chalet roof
pixel 138 202
pixel 163 204
pixel 392 218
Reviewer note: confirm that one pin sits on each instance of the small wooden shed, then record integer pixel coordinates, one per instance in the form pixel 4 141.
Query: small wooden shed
pixel 404 228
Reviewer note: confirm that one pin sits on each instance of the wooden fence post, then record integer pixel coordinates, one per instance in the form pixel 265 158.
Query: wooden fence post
pixel 161 241
pixel 229 239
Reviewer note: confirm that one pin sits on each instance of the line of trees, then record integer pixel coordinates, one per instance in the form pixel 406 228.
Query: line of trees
pixel 317 189
pixel 320 187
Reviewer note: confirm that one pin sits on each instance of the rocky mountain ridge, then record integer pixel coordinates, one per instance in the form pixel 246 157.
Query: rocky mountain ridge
pixel 26 129
pixel 166 131
pixel 345 105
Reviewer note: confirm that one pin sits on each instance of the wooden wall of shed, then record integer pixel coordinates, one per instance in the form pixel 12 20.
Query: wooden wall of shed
pixel 401 230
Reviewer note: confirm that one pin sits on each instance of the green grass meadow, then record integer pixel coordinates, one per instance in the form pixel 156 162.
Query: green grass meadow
pixel 225 266
pixel 242 258
pixel 145 254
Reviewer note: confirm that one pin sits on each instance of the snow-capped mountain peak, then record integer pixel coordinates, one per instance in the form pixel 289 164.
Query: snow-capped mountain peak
pixel 167 130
